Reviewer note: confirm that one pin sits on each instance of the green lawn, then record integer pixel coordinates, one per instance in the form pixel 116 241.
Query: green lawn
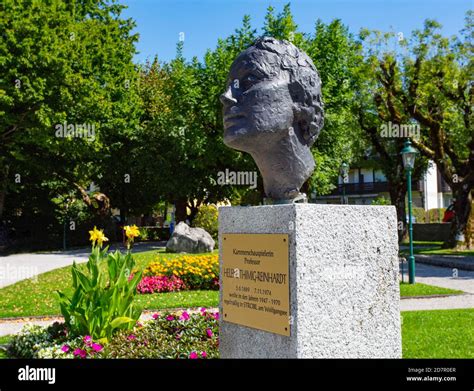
pixel 434 248
pixel 27 297
pixel 419 243
pixel 444 251
pixel 438 334
pixel 407 290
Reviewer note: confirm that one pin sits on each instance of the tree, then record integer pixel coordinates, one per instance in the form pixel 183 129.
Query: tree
pixel 376 110
pixel 430 84
pixel 183 128
pixel 63 64
pixel 440 97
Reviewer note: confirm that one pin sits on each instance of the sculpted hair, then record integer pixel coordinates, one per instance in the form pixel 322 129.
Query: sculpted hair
pixel 304 87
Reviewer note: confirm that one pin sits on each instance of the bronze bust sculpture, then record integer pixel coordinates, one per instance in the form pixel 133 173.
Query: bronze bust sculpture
pixel 273 110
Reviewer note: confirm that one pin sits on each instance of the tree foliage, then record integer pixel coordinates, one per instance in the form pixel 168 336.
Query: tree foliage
pixel 60 63
pixel 426 82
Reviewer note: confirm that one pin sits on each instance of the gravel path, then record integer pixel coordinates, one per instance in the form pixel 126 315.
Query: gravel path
pixel 442 276
pixel 437 303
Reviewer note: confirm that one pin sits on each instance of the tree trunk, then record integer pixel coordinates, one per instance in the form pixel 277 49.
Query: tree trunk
pixel 470 227
pixel 194 207
pixel 3 187
pixel 459 236
pixel 397 198
pixel 181 213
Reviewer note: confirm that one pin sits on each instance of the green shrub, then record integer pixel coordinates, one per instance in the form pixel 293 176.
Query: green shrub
pixel 169 336
pixel 102 301
pixel 155 234
pixel 150 233
pixel 419 214
pixel 206 218
pixel 144 234
pixel 436 215
pixel 381 201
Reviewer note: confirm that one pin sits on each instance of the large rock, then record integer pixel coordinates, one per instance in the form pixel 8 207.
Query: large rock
pixel 190 240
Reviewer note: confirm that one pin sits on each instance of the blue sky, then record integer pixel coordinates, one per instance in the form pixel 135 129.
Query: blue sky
pixel 159 22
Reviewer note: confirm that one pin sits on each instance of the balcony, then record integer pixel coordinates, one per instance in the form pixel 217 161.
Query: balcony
pixel 371 188
pixel 362 188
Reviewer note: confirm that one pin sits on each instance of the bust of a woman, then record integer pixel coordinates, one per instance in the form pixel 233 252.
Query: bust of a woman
pixel 273 110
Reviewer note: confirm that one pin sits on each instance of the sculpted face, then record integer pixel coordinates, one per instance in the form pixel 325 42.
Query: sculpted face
pixel 257 103
pixel 272 109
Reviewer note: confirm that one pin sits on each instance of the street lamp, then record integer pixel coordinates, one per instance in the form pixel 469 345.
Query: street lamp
pixel 408 156
pixel 344 171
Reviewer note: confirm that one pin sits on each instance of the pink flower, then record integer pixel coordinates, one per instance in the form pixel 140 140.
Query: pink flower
pixel 203 310
pixel 87 339
pixel 209 333
pixel 193 355
pixel 184 316
pixel 203 354
pixel 170 317
pixel 131 337
pixel 157 284
pixel 155 316
pixel 80 352
pixel 96 347
pixel 216 316
pixel 65 348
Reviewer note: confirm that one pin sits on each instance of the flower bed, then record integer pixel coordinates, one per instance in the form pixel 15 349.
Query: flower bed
pixel 196 271
pixel 51 342
pixel 167 335
pixel 157 284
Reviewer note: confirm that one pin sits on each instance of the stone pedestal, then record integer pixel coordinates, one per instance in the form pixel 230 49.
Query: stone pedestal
pixel 343 282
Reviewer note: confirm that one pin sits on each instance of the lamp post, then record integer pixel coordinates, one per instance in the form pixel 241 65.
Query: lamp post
pixel 408 156
pixel 343 171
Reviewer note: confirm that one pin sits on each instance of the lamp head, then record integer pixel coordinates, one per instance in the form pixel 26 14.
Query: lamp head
pixel 408 156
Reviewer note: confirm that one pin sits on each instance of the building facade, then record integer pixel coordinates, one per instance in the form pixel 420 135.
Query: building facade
pixel 365 184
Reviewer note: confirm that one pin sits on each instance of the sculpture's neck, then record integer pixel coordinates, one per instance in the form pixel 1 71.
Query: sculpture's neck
pixel 284 166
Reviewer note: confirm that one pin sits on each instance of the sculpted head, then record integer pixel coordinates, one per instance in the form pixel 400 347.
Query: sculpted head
pixel 273 110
